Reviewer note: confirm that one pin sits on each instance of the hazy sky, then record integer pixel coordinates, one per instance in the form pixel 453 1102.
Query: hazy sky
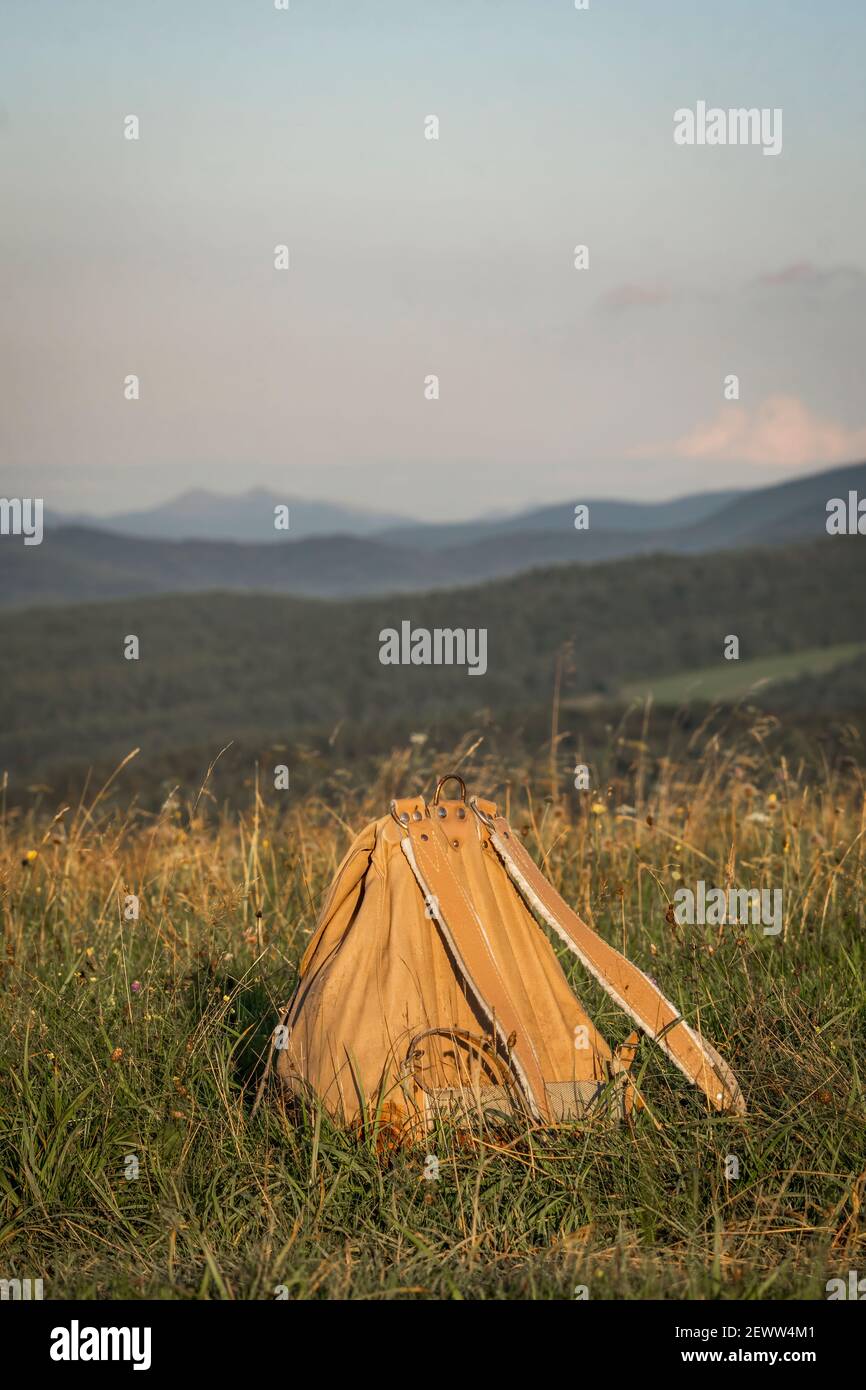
pixel 411 256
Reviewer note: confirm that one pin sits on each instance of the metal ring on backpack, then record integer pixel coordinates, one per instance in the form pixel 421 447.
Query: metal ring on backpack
pixel 449 777
pixel 485 1051
pixel 482 815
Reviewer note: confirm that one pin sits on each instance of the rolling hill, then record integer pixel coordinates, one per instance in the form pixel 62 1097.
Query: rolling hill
pixel 76 565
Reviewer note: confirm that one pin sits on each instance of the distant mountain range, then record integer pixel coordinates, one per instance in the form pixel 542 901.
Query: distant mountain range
pixel 689 525
pixel 87 562
pixel 249 516
pixel 606 515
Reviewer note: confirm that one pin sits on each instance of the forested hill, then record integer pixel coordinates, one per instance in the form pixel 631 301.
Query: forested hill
pixel 217 666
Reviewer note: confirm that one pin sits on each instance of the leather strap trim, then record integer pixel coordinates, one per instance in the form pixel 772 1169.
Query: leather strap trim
pixel 628 986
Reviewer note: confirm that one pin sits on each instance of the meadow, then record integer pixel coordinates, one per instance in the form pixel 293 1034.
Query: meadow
pixel 131 1164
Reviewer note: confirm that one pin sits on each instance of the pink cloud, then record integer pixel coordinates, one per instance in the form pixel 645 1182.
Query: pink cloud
pixel 781 430
pixel 791 274
pixel 635 296
pixel 807 273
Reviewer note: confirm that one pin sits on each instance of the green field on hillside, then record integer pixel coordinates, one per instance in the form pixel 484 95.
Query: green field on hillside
pixel 730 680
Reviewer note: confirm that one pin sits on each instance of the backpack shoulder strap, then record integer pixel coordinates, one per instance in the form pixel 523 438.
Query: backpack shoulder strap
pixel 465 936
pixel 629 987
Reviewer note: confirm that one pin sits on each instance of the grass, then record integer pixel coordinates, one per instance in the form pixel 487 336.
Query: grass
pixel 729 680
pixel 137 1044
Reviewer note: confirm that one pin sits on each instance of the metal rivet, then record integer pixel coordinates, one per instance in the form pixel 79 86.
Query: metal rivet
pixel 440 811
pixel 416 815
pixel 461 812
pixel 404 817
pixel 423 837
pixel 456 844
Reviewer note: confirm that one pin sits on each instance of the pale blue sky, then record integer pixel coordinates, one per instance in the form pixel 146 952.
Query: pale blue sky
pixel 412 257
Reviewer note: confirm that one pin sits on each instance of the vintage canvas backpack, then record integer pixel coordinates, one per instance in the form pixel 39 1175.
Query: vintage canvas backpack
pixel 428 986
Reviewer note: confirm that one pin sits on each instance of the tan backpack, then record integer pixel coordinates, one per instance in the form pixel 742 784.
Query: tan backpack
pixel 428 987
